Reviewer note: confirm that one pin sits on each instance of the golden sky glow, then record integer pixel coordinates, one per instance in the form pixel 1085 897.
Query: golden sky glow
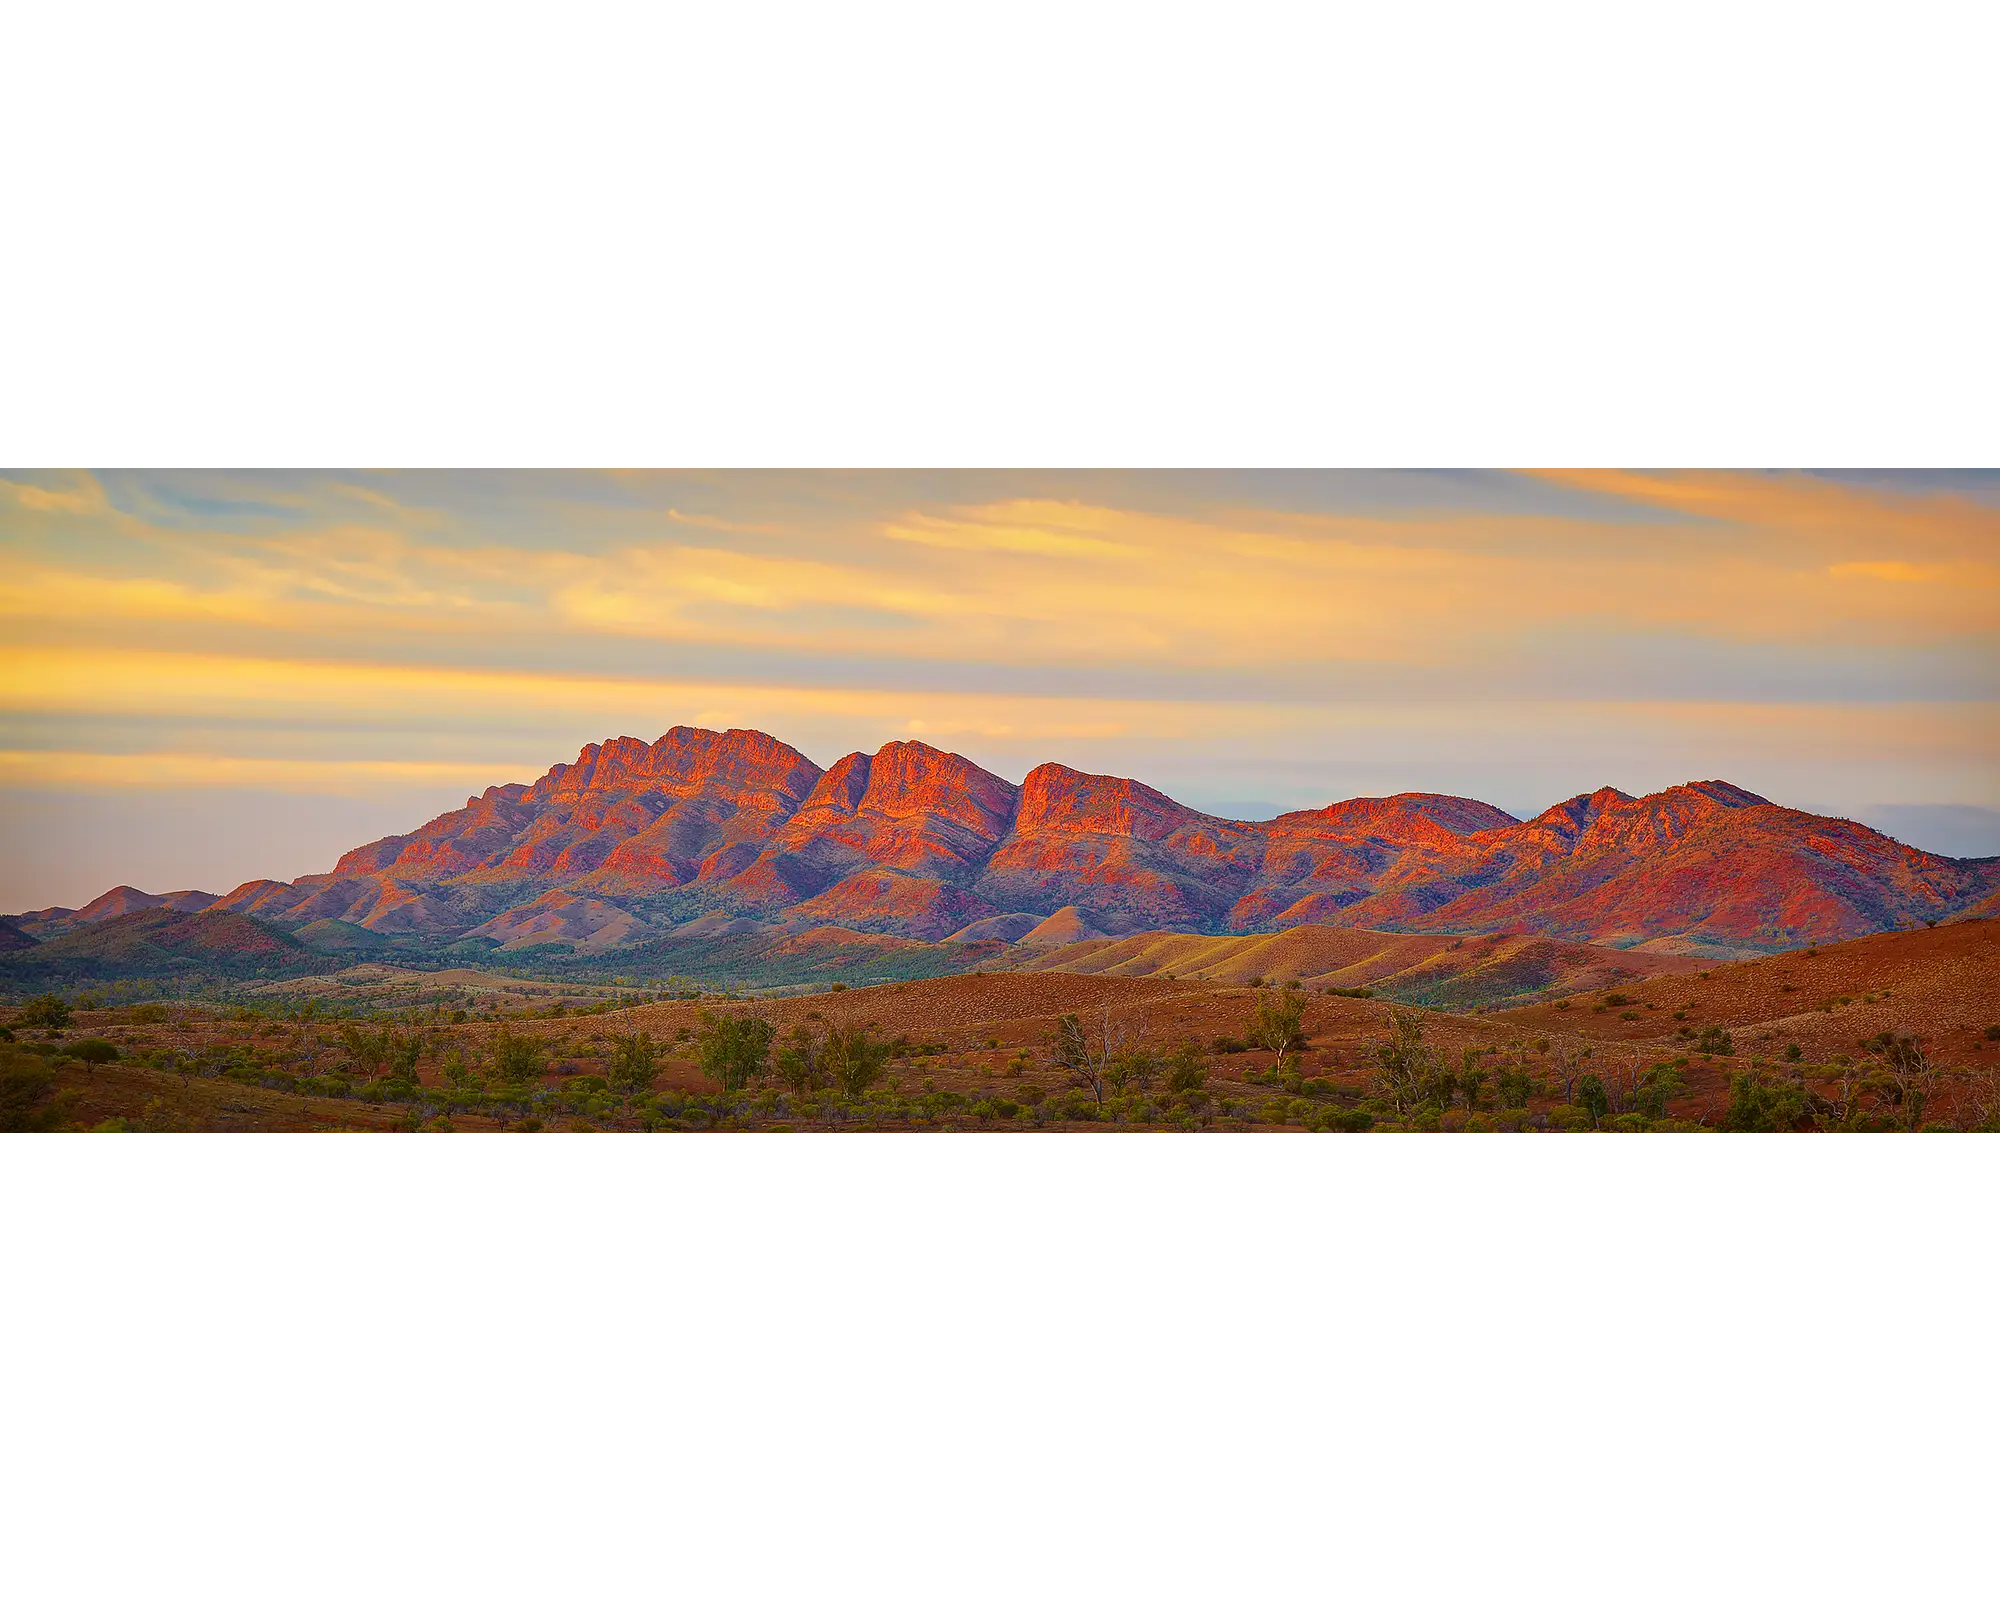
pixel 1247 641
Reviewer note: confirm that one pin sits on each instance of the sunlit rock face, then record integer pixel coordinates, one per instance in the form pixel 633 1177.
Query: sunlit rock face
pixel 737 829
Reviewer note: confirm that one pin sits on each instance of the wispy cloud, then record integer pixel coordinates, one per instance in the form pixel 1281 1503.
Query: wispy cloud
pixel 1412 630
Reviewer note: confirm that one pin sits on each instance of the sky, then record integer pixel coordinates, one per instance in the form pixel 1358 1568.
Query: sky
pixel 215 676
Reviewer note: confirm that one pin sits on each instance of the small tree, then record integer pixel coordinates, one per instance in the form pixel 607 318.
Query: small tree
pixel 1516 1085
pixel 855 1061
pixel 371 1052
pixel 1566 1058
pixel 735 1050
pixel 1187 1068
pixel 1657 1086
pixel 1403 1067
pixel 1279 1025
pixel 635 1063
pixel 1910 1072
pixel 50 1011
pixel 403 1055
pixel 802 1064
pixel 1134 1068
pixel 1087 1053
pixel 1591 1097
pixel 1471 1078
pixel 517 1057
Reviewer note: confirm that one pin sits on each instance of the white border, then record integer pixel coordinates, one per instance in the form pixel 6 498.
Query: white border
pixel 1115 236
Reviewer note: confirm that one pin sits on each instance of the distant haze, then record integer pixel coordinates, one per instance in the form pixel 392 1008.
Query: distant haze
pixel 211 677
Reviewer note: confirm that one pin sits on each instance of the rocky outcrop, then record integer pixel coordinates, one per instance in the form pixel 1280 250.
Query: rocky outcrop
pixel 701 830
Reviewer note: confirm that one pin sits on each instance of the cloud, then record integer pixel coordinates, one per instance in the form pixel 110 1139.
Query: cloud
pixel 175 769
pixel 1889 571
pixel 1460 631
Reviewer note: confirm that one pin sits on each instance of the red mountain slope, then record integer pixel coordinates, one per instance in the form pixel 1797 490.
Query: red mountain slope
pixel 640 839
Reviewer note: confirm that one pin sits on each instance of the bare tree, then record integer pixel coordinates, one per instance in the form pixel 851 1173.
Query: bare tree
pixel 1568 1057
pixel 1403 1064
pixel 1089 1054
pixel 1912 1075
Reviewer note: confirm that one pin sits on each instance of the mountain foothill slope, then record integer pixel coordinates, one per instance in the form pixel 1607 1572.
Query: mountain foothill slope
pixel 633 842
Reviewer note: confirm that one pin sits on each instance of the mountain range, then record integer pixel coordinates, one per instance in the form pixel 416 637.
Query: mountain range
pixel 727 833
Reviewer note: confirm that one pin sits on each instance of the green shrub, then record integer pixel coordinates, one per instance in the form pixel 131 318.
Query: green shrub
pixel 1762 1105
pixel 856 1062
pixel 28 1100
pixel 1658 1085
pixel 734 1050
pixel 92 1050
pixel 635 1064
pixel 1187 1072
pixel 1590 1095
pixel 516 1057
pixel 50 1011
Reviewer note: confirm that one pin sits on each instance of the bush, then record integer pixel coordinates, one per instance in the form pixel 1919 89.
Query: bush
pixel 1347 1121
pixel 1657 1086
pixel 1994 1031
pixel 1186 1071
pixel 92 1050
pixel 49 1011
pixel 1714 1042
pixel 28 1102
pixel 1762 1105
